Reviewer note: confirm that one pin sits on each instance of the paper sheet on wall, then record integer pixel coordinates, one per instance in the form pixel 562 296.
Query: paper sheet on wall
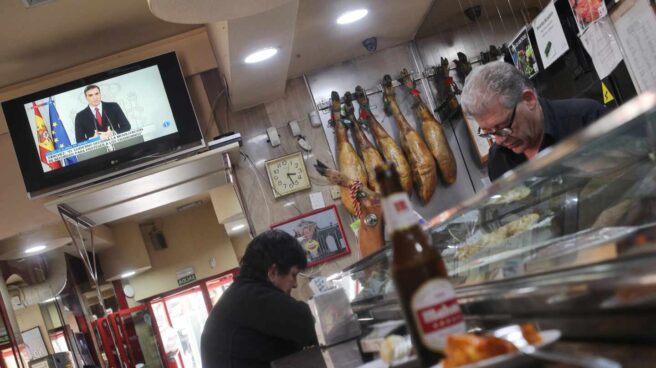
pixel 33 340
pixel 549 35
pixel 636 31
pixel 599 41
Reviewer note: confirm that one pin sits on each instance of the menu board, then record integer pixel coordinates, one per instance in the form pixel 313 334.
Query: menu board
pixel 549 35
pixel 635 24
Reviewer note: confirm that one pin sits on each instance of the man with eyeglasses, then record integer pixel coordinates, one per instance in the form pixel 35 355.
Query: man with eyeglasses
pixel 509 111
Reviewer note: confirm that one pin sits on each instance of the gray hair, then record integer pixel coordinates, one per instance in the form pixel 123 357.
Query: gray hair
pixel 491 83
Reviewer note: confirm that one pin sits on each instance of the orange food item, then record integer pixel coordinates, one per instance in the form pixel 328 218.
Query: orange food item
pixel 531 334
pixel 466 349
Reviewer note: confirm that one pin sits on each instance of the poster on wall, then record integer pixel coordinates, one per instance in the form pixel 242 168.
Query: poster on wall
pixel 599 41
pixel 523 55
pixel 34 343
pixel 549 35
pixel 587 12
pixel 635 23
pixel 320 233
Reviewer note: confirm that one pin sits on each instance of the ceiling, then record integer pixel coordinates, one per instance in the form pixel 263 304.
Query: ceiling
pixel 63 33
pixel 53 236
pixel 319 42
pixel 449 14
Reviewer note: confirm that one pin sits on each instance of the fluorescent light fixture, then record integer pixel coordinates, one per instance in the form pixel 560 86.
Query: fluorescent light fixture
pixel 352 16
pixel 261 55
pixel 238 227
pixel 128 274
pixel 35 249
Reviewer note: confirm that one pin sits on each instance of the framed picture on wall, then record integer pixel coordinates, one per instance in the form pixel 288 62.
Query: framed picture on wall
pixel 320 232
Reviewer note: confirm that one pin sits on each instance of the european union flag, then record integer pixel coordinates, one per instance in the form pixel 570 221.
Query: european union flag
pixel 59 136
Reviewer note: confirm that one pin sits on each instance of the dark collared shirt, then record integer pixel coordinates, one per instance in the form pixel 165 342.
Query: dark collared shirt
pixel 561 118
pixel 253 324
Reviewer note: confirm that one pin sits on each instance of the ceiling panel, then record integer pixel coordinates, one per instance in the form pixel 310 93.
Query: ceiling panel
pixel 320 42
pixel 449 14
pixel 65 33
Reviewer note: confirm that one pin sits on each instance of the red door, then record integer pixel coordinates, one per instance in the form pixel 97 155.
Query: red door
pixel 129 338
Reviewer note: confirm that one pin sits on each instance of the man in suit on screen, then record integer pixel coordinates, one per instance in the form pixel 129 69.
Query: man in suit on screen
pixel 99 119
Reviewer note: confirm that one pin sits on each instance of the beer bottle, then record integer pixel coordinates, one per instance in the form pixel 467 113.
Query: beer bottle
pixel 427 298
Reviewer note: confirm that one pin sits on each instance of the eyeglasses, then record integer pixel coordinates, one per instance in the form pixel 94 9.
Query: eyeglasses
pixel 501 132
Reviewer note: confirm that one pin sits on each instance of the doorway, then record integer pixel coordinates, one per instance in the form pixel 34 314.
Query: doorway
pixel 128 338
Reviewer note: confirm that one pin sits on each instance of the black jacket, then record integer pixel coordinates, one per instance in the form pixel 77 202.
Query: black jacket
pixel 112 115
pixel 561 119
pixel 254 323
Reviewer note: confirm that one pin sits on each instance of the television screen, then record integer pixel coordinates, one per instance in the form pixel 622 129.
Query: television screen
pixel 103 124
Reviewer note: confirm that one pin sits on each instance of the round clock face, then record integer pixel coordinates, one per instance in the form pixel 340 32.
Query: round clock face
pixel 288 175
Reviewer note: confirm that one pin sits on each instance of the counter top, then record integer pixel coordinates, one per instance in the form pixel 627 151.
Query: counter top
pixel 347 355
pixel 343 355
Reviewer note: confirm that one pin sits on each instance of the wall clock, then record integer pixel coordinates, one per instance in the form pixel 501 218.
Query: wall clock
pixel 287 174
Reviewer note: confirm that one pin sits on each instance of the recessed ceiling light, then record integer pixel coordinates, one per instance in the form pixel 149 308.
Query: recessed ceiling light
pixel 238 227
pixel 261 55
pixel 352 16
pixel 35 249
pixel 128 274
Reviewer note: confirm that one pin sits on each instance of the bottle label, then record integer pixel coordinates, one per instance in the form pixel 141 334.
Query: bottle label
pixel 398 212
pixel 436 313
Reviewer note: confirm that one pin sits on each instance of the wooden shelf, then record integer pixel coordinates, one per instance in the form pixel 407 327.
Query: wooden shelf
pixel 150 188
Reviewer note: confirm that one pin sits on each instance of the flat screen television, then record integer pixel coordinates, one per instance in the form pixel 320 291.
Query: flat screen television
pixel 101 126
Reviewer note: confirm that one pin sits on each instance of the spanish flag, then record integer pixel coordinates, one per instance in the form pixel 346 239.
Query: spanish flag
pixel 45 141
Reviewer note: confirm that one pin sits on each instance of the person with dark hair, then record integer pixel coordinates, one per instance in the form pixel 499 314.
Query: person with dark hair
pixel 99 118
pixel 256 320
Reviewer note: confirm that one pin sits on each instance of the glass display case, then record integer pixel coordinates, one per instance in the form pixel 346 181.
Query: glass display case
pixel 582 212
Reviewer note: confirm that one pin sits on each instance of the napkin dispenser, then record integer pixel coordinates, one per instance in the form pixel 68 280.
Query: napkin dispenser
pixel 334 320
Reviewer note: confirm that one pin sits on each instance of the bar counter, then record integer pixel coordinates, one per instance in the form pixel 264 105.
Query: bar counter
pixel 347 355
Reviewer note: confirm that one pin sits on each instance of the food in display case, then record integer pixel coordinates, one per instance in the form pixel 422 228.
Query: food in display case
pixel 388 147
pixel 422 163
pixel 514 194
pixel 369 153
pixel 433 133
pixel 373 283
pixel 469 348
pixel 348 160
pixel 504 232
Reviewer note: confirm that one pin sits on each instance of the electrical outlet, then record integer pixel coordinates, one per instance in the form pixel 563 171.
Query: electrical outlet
pixel 335 193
